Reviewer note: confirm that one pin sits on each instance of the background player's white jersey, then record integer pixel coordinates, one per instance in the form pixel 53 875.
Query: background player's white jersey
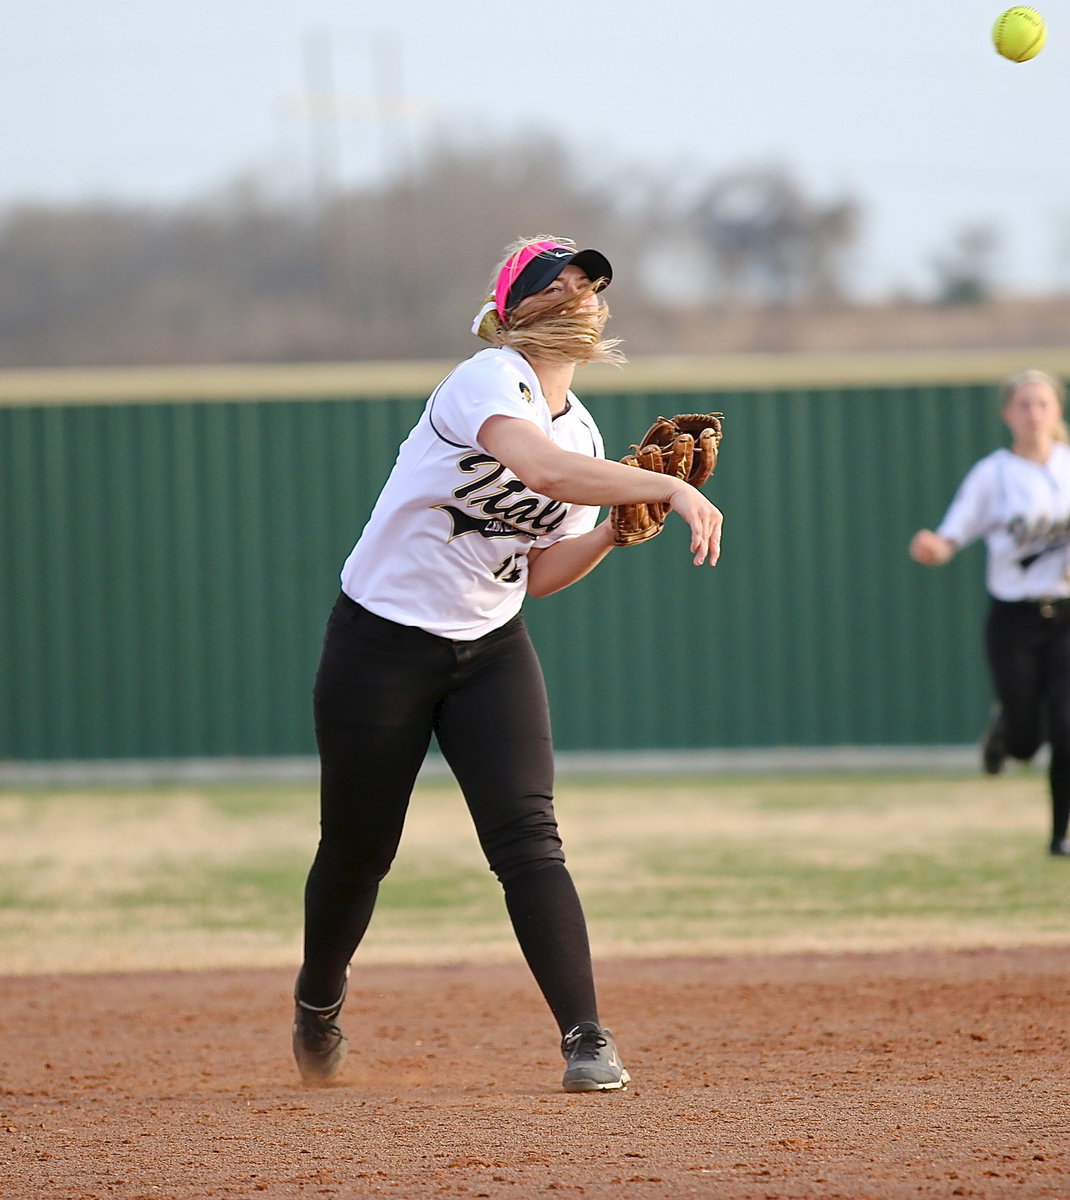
pixel 1022 510
pixel 445 548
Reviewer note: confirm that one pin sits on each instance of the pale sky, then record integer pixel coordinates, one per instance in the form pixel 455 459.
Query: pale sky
pixel 905 104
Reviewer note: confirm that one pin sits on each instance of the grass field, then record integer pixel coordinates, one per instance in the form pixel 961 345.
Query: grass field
pixel 101 879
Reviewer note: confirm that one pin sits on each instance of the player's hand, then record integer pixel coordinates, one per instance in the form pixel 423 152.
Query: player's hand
pixel 704 519
pixel 930 549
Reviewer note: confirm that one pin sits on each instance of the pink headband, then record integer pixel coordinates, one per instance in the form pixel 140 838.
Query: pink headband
pixel 512 269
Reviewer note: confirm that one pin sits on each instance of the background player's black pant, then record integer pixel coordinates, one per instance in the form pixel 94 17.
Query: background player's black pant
pixel 1029 657
pixel 381 691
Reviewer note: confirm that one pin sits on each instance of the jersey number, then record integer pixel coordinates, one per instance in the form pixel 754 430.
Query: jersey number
pixel 508 570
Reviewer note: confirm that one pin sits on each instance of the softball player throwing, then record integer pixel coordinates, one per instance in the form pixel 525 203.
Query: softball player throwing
pixel 1018 500
pixel 494 496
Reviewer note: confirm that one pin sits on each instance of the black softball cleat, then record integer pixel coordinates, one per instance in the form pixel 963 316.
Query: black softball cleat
pixel 319 1044
pixel 1060 848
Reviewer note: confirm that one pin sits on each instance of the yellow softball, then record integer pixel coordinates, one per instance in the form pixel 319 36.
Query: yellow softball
pixel 1019 33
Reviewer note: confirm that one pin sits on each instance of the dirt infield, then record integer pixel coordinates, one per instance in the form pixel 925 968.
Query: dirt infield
pixel 863 1076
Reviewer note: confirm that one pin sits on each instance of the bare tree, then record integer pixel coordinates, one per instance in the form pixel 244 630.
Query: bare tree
pixel 964 275
pixel 249 273
pixel 768 243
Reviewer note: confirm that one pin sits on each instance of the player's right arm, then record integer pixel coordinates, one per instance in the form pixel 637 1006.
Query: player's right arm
pixel 574 478
pixel 564 475
pixel 930 549
pixel 969 516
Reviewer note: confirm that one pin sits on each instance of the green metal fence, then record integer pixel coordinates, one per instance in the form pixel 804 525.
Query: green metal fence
pixel 167 569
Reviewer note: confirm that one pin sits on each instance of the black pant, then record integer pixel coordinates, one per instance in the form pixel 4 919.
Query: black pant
pixel 1028 648
pixel 381 691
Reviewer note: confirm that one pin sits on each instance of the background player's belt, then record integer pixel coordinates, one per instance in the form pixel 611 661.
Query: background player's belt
pixel 1046 606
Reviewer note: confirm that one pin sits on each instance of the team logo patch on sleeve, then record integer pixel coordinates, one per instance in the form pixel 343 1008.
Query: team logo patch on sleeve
pixel 525 392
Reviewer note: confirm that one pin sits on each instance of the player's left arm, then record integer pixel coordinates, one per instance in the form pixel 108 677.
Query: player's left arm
pixel 552 568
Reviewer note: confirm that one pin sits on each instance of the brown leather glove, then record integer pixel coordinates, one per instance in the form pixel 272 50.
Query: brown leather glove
pixel 685 447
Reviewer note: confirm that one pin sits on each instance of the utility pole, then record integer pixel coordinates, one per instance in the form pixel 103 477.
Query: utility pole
pixel 321 109
pixel 401 219
pixel 325 111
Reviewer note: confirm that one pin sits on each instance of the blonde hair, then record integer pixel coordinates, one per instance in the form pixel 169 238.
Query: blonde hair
pixel 548 329
pixel 1034 375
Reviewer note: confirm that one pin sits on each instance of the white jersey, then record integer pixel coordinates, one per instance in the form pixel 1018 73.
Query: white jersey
pixel 446 546
pixel 1022 510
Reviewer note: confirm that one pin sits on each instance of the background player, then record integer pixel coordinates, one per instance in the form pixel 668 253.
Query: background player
pixel 494 496
pixel 1018 500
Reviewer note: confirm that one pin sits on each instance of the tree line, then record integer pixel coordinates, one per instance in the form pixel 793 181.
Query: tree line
pixel 396 270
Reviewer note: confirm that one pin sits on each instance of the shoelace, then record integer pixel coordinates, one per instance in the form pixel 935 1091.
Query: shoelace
pixel 321 1026
pixel 584 1045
